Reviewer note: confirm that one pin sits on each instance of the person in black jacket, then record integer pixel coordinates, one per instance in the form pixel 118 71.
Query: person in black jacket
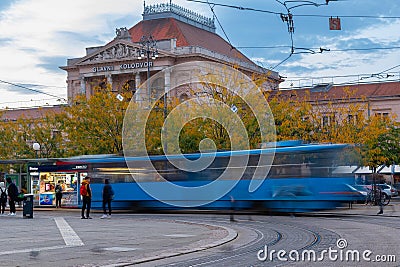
pixel 108 195
pixel 3 197
pixel 12 195
pixel 59 193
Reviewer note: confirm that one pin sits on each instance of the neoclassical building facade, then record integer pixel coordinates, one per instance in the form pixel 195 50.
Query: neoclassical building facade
pixel 177 36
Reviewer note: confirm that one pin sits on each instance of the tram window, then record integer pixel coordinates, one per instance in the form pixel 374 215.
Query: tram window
pixel 302 165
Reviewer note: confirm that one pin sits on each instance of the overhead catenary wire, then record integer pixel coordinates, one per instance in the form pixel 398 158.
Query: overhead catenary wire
pixel 355 81
pixel 219 23
pixel 28 101
pixel 33 90
pixel 236 7
pixel 331 50
pixel 288 18
pixel 295 15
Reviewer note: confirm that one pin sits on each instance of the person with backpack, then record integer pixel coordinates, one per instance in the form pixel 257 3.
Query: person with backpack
pixel 59 193
pixel 12 195
pixel 86 194
pixel 108 195
pixel 3 197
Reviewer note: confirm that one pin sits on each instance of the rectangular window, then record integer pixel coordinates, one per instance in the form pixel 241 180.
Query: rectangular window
pixel 328 120
pixel 383 113
pixel 352 119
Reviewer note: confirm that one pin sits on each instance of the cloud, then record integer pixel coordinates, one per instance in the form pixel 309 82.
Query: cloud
pixel 342 63
pixel 38 36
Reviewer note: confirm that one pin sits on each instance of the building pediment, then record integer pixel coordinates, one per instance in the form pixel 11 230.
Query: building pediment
pixel 118 50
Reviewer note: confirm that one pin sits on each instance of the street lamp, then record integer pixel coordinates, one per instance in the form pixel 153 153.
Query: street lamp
pixel 36 147
pixel 149 47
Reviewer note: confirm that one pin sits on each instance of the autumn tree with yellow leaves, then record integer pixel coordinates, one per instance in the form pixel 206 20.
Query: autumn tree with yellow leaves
pixel 94 125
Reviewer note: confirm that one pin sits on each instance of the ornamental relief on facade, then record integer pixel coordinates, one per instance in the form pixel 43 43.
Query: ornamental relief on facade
pixel 118 51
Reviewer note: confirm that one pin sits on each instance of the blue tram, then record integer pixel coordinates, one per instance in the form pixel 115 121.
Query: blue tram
pixel 300 178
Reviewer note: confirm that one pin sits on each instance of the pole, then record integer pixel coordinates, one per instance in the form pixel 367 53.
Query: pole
pixel 148 70
pixel 165 130
pixel 149 46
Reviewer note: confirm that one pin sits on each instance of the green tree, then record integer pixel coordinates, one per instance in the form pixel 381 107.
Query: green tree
pixel 383 148
pixel 94 125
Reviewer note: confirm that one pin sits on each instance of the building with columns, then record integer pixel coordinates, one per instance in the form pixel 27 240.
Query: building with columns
pixel 179 36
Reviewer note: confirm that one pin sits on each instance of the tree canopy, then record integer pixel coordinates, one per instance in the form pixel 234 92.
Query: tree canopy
pixel 94 126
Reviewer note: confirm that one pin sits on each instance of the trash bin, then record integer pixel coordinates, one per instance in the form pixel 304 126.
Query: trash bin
pixel 28 206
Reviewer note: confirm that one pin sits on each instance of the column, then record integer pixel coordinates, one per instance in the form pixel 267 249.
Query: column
pixel 167 87
pixel 83 85
pixel 137 84
pixel 110 81
pixel 167 81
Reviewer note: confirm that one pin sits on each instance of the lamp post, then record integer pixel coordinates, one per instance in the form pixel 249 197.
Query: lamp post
pixel 36 147
pixel 149 47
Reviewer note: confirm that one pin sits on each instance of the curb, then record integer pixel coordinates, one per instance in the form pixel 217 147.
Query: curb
pixel 232 234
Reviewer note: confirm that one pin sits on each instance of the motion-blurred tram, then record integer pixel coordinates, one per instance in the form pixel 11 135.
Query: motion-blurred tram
pixel 300 178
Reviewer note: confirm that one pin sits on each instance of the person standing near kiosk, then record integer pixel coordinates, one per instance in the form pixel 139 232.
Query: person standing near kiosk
pixel 59 193
pixel 86 194
pixel 3 197
pixel 12 195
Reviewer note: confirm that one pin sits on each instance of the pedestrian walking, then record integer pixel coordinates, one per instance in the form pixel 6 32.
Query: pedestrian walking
pixel 108 195
pixel 3 197
pixel 59 194
pixel 86 194
pixel 12 195
pixel 231 217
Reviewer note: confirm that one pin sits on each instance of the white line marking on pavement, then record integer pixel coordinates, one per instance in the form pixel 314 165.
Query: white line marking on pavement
pixel 71 239
pixel 68 234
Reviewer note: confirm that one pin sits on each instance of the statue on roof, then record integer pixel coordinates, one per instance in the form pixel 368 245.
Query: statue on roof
pixel 122 33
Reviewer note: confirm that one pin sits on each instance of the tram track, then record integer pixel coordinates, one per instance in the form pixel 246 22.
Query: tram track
pixel 269 234
pixel 288 233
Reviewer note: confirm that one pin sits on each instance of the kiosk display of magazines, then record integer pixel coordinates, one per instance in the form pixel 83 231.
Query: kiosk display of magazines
pixel 44 180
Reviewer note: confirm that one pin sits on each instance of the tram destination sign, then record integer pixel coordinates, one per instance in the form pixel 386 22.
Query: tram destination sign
pixel 125 66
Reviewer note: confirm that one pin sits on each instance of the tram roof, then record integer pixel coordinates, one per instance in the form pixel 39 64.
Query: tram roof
pixel 194 156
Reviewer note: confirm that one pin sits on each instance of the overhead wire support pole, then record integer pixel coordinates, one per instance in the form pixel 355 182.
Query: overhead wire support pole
pixel 288 18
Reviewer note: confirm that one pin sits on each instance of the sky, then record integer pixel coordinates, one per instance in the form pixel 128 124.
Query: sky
pixel 38 36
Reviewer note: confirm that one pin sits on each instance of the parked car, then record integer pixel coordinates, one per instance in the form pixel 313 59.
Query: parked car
pixel 386 189
pixel 397 186
pixel 389 190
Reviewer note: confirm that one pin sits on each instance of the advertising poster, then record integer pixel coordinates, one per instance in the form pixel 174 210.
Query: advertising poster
pixel 69 199
pixel 46 199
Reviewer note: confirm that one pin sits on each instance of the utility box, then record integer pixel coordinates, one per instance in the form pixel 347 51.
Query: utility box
pixel 28 206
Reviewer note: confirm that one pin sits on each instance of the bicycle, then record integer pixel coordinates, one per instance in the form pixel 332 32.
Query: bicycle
pixel 377 198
